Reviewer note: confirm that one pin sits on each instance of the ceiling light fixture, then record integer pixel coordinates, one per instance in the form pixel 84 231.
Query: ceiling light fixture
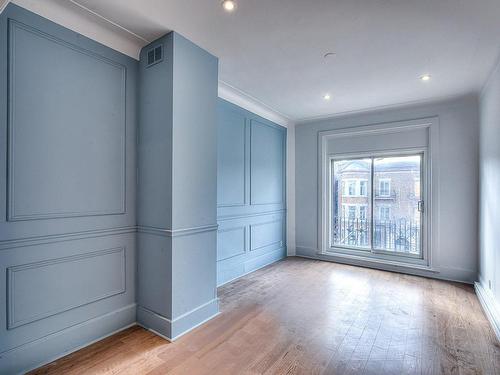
pixel 327 97
pixel 425 77
pixel 229 5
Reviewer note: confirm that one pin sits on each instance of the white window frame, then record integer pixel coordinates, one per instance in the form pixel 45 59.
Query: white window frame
pixel 384 180
pixel 429 192
pixel 365 206
pixel 357 187
pixel 347 185
pixel 380 207
pixel 366 192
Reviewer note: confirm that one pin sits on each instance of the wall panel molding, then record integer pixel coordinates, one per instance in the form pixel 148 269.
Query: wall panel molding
pixel 70 236
pixel 221 243
pixel 68 124
pixel 14 274
pixel 267 164
pixel 13 213
pixel 263 216
pixel 274 240
pixel 233 180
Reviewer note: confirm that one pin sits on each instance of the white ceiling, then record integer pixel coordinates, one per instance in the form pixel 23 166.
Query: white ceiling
pixel 272 50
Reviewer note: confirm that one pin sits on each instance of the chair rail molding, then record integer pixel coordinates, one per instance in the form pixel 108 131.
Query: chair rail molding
pixel 177 232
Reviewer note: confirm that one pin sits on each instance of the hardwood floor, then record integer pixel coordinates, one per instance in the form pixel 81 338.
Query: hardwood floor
pixel 309 317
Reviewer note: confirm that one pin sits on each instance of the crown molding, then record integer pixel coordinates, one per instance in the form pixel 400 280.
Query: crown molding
pixel 388 107
pixel 248 102
pixel 84 21
pixel 3 4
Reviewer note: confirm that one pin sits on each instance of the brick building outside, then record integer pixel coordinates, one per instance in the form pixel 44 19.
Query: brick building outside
pixel 396 189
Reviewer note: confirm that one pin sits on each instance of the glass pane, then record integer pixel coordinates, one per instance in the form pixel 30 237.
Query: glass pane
pixel 397 220
pixel 351 203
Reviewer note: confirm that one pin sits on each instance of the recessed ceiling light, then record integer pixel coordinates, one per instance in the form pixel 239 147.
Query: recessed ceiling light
pixel 327 97
pixel 229 5
pixel 425 77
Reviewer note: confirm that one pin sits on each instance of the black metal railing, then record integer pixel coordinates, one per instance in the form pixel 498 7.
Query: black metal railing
pixel 399 235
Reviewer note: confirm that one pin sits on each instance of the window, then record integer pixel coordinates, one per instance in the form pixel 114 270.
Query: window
pixel 363 188
pixel 354 212
pixel 384 213
pixel 351 213
pixel 350 188
pixel 355 187
pixel 384 189
pixel 362 212
pixel 378 216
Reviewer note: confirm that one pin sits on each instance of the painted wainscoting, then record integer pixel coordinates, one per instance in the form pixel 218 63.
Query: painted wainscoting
pixel 67 191
pixel 250 192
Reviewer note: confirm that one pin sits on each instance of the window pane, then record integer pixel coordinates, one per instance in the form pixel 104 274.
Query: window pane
pixel 363 188
pixel 351 203
pixel 397 220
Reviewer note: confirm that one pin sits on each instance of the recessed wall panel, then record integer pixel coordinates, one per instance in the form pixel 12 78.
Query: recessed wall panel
pixel 266 234
pixel 39 290
pixel 231 166
pixel 66 129
pixel 230 243
pixel 266 164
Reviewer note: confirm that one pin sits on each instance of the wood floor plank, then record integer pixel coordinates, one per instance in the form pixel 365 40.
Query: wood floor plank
pixel 309 317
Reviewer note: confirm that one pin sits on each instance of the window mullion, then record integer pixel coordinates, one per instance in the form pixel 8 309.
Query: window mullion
pixel 372 205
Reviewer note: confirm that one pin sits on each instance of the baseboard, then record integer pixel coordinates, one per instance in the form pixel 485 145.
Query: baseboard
pixel 490 307
pixel 59 344
pixel 440 273
pixel 154 322
pixel 194 318
pixel 257 263
pixel 173 329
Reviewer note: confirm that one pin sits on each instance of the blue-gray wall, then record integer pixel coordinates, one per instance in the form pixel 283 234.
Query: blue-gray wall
pixel 67 191
pixel 489 246
pixel 177 188
pixel 250 192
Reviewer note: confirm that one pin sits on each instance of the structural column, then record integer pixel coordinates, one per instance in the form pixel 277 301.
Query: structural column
pixel 177 186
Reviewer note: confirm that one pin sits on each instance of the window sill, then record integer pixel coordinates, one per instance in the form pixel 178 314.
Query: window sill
pixel 372 261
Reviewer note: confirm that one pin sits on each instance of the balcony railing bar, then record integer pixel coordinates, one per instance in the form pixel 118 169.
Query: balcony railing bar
pixel 400 235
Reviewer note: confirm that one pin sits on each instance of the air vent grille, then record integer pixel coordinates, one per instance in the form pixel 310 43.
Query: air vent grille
pixel 155 55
